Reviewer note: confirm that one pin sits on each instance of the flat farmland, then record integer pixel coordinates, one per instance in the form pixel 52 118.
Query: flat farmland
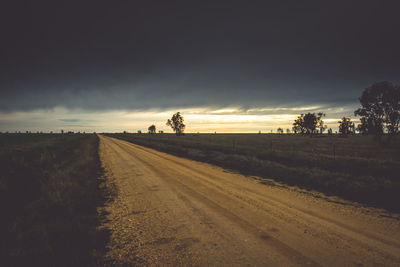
pixel 356 168
pixel 139 199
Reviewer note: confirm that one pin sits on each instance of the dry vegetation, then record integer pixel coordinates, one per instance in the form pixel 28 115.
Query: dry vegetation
pixel 357 167
pixel 51 186
pixel 49 199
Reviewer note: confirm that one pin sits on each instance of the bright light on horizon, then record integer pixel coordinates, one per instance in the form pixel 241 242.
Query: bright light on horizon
pixel 204 120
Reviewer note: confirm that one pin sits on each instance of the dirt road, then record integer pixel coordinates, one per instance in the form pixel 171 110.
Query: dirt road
pixel 174 211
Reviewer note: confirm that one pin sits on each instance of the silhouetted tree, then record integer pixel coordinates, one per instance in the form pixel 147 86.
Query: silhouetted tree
pixel 307 123
pixel 322 127
pixel 346 126
pixel 380 108
pixel 152 129
pixel 352 128
pixel 363 127
pixel 279 130
pixel 330 131
pixel 139 132
pixel 176 123
pixel 298 125
pixel 288 131
pixel 310 123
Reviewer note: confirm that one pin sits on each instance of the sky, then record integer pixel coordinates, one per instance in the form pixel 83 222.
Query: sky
pixel 227 66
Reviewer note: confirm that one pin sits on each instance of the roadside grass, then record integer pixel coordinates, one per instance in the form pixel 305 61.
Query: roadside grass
pixel 356 168
pixel 9 140
pixel 50 197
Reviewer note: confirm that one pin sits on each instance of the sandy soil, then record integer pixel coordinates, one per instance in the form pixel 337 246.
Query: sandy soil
pixel 175 211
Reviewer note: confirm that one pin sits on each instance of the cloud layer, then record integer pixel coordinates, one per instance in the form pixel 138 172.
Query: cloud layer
pixel 197 119
pixel 149 55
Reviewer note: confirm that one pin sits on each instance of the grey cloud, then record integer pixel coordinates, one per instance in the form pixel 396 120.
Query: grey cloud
pixel 140 55
pixel 240 90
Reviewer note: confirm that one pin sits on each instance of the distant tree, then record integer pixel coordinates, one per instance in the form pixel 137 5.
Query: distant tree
pixel 320 123
pixel 62 131
pixel 139 132
pixel 380 108
pixel 366 126
pixel 288 131
pixel 330 131
pixel 176 123
pixel 346 126
pixel 279 130
pixel 307 123
pixel 310 123
pixel 160 132
pixel 152 129
pixel 352 128
pixel 298 125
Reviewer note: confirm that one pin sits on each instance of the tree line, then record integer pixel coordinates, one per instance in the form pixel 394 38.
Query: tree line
pixel 379 113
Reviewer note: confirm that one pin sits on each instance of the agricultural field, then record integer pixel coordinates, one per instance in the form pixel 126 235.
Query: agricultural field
pixel 356 167
pixel 50 192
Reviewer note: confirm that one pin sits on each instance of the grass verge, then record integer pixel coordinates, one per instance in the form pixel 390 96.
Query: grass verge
pixel 50 195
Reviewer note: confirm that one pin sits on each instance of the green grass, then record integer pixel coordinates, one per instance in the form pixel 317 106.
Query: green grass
pixel 49 199
pixel 356 168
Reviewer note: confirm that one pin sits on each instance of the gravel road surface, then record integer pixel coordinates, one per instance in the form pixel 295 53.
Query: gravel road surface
pixel 175 211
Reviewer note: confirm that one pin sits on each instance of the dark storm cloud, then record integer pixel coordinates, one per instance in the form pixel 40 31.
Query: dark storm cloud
pixel 165 54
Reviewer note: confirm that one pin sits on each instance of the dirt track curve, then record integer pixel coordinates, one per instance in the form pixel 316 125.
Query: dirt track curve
pixel 175 211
